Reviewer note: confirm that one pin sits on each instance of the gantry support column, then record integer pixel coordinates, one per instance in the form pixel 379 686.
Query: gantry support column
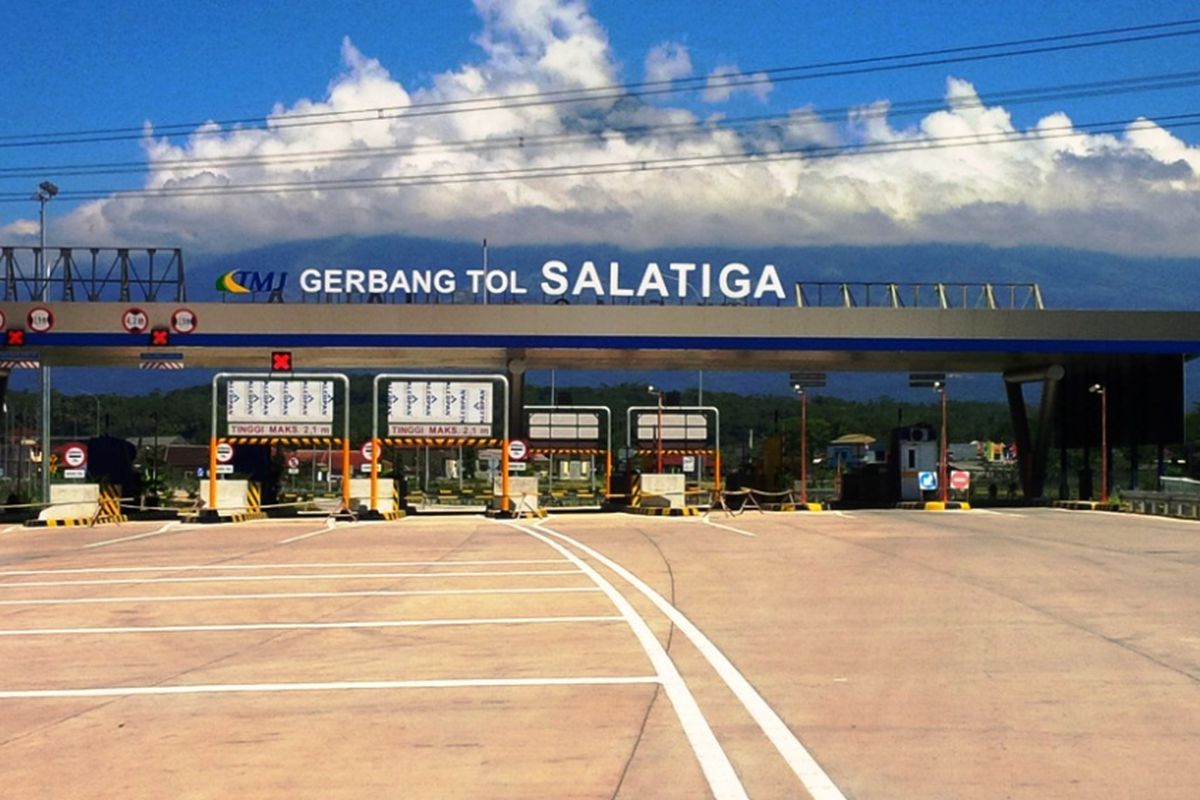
pixel 1032 454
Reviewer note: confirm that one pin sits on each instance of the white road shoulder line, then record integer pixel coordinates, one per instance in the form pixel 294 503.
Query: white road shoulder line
pixel 806 768
pixel 305 626
pixel 714 763
pixel 334 576
pixel 288 596
pixel 221 688
pixel 170 526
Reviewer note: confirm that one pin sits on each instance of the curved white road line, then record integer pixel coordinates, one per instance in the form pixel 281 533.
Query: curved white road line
pixel 722 779
pixel 806 768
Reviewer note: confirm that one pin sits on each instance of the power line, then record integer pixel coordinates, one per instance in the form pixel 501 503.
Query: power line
pixel 940 57
pixel 518 141
pixel 625 167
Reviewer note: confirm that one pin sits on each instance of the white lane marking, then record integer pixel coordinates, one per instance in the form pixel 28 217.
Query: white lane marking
pixel 989 512
pixel 708 521
pixel 305 626
pixel 843 514
pixel 330 525
pixel 328 576
pixel 722 779
pixel 170 526
pixel 292 565
pixel 219 688
pixel 289 596
pixel 10 528
pixel 806 768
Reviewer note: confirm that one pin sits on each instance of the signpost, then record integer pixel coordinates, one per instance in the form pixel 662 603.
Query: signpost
pixel 439 405
pixel 75 456
pixel 224 452
pixel 518 450
pixel 960 480
pixel 302 405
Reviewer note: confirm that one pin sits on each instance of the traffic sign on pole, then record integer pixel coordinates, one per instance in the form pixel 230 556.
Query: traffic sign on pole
pixel 928 481
pixel 518 450
pixel 224 452
pixel 960 480
pixel 75 455
pixel 366 450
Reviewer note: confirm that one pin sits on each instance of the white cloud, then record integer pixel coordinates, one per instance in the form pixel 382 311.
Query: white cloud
pixel 1135 191
pixel 668 61
pixel 727 80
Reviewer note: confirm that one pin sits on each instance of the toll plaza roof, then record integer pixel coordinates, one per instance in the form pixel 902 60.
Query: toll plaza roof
pixel 477 336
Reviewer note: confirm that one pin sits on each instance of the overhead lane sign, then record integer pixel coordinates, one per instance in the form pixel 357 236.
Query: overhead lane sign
pixel 279 407
pixel 439 408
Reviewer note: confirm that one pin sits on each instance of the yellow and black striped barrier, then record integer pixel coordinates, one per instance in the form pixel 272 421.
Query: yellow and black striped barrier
pixel 306 441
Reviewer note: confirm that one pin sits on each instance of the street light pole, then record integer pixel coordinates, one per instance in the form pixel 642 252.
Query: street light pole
pixel 46 191
pixel 943 467
pixel 658 432
pixel 1099 389
pixel 803 444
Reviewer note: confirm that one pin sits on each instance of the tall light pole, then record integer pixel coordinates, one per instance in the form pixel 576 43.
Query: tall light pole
pixel 943 466
pixel 803 443
pixel 658 433
pixel 46 191
pixel 1099 389
pixel 800 382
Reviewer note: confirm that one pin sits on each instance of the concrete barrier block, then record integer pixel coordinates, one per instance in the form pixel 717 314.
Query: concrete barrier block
pixel 667 491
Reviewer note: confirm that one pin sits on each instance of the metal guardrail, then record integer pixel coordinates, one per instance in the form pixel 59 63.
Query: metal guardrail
pixel 834 294
pixel 1163 504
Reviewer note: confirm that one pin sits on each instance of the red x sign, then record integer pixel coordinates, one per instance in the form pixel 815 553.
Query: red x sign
pixel 16 337
pixel 160 337
pixel 281 361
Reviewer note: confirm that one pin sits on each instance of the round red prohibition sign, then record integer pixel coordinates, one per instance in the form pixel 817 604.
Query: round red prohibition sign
pixel 75 456
pixel 518 449
pixel 135 320
pixel 40 319
pixel 366 450
pixel 224 452
pixel 183 320
pixel 960 480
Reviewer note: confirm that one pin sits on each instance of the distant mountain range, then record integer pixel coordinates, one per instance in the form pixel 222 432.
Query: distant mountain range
pixel 1068 279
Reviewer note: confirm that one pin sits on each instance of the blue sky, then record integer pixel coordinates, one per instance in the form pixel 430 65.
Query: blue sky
pixel 74 66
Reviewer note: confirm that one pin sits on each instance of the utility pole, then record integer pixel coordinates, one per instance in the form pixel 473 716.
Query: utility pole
pixel 46 191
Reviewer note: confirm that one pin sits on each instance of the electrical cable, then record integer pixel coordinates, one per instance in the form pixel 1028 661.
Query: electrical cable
pixel 811 117
pixel 944 56
pixel 629 166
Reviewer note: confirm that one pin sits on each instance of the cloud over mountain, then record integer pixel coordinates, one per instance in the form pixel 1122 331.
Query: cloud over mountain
pixel 1135 191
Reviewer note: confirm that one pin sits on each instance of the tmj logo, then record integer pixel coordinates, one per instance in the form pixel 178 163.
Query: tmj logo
pixel 243 281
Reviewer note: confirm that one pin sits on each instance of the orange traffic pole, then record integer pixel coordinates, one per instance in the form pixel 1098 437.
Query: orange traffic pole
pixel 607 473
pixel 717 471
pixel 212 473
pixel 346 473
pixel 504 477
pixel 374 474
